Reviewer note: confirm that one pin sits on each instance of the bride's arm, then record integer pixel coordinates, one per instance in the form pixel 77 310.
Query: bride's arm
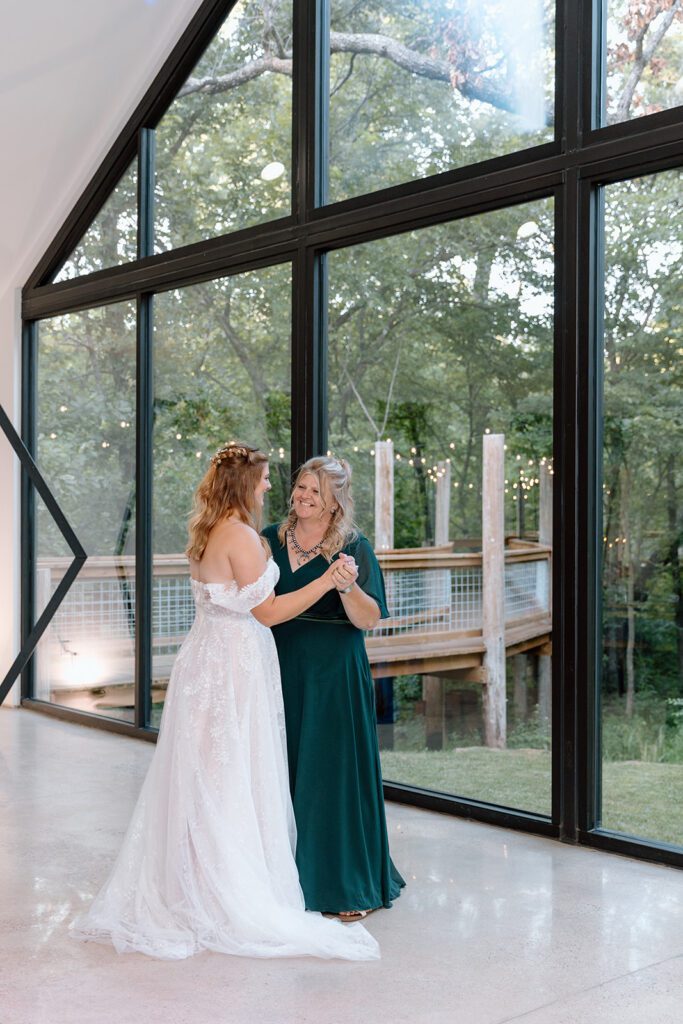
pixel 248 561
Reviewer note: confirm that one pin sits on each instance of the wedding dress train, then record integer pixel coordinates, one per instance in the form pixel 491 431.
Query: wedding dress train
pixel 208 858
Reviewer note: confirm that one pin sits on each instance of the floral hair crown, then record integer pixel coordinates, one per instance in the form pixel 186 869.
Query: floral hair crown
pixel 230 450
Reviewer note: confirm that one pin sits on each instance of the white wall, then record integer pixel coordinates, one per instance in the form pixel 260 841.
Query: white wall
pixel 71 73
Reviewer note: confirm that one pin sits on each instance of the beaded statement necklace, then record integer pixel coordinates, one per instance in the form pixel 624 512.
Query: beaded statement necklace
pixel 301 554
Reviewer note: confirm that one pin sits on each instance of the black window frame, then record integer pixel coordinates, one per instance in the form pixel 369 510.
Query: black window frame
pixel 572 168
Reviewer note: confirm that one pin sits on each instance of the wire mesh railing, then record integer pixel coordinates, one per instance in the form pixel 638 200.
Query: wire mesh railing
pixel 92 635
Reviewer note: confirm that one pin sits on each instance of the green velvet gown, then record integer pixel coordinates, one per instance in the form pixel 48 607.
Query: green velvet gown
pixel 334 768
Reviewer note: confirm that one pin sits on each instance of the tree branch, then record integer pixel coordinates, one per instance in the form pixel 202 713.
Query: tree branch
pixel 643 56
pixel 210 86
pixel 470 84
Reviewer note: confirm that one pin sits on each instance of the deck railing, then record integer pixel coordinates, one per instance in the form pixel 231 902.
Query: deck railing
pixel 442 592
pixel 433 595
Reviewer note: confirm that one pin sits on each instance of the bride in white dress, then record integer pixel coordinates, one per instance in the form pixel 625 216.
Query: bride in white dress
pixel 208 858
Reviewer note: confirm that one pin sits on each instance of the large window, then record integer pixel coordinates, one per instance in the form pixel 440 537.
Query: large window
pixel 85 449
pixel 442 240
pixel 223 149
pixel 441 343
pixel 222 371
pixel 643 57
pixel 642 500
pixel 112 238
pixel 417 87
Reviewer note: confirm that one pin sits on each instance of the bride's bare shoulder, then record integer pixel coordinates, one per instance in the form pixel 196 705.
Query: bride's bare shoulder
pixel 234 531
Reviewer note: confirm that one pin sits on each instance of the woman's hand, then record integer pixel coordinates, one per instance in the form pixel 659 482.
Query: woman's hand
pixel 345 571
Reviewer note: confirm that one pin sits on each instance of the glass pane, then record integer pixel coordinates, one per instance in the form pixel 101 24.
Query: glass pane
pixel 643 59
pixel 221 371
pixel 223 148
pixel 642 486
pixel 112 238
pixel 421 87
pixel 85 422
pixel 440 393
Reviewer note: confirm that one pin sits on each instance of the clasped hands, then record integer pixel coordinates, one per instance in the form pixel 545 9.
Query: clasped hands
pixel 343 572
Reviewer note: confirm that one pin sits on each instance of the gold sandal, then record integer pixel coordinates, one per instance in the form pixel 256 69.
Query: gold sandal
pixel 355 915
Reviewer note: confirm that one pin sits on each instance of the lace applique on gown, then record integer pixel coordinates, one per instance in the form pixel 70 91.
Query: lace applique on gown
pixel 208 858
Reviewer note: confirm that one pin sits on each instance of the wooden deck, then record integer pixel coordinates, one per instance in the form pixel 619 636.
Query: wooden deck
pixel 451 653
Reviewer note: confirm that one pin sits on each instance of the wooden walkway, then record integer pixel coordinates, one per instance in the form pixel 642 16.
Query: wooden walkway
pixel 403 648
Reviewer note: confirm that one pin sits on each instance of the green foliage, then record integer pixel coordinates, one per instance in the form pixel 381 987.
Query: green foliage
pixel 435 336
pixel 653 733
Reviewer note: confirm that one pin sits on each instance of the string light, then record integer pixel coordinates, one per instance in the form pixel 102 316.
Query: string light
pixel 434 472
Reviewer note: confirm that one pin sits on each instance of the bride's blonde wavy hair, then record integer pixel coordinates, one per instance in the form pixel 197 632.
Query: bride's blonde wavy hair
pixel 334 482
pixel 227 488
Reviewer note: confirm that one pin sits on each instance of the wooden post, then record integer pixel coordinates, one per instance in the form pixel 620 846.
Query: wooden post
pixel 384 495
pixel 493 589
pixel 521 522
pixel 520 692
pixel 545 536
pixel 433 691
pixel 544 689
pixel 443 504
pixel 545 506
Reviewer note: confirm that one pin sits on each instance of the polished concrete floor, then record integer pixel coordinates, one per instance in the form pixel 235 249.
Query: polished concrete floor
pixel 494 926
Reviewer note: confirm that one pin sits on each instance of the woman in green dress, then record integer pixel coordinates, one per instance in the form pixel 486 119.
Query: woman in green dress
pixel 334 768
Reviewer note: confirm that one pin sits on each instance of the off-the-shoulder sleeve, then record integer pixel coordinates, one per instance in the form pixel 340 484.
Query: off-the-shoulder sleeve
pixel 256 592
pixel 243 599
pixel 370 578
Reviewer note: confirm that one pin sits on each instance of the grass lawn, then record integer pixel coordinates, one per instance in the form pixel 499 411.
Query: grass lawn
pixel 639 797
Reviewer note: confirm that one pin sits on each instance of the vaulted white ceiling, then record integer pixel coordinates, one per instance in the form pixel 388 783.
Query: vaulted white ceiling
pixel 71 73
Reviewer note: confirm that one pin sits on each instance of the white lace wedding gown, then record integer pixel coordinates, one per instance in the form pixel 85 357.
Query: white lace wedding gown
pixel 207 861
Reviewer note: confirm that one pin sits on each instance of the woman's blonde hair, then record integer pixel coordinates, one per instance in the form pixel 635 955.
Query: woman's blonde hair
pixel 334 481
pixel 227 488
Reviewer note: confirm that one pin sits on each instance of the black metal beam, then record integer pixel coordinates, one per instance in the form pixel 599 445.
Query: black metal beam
pixel 589 507
pixel 266 245
pixel 476 810
pixel 144 537
pixel 91 719
pixel 633 846
pixel 146 174
pixel 569 112
pixel 32 632
pixel 28 432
